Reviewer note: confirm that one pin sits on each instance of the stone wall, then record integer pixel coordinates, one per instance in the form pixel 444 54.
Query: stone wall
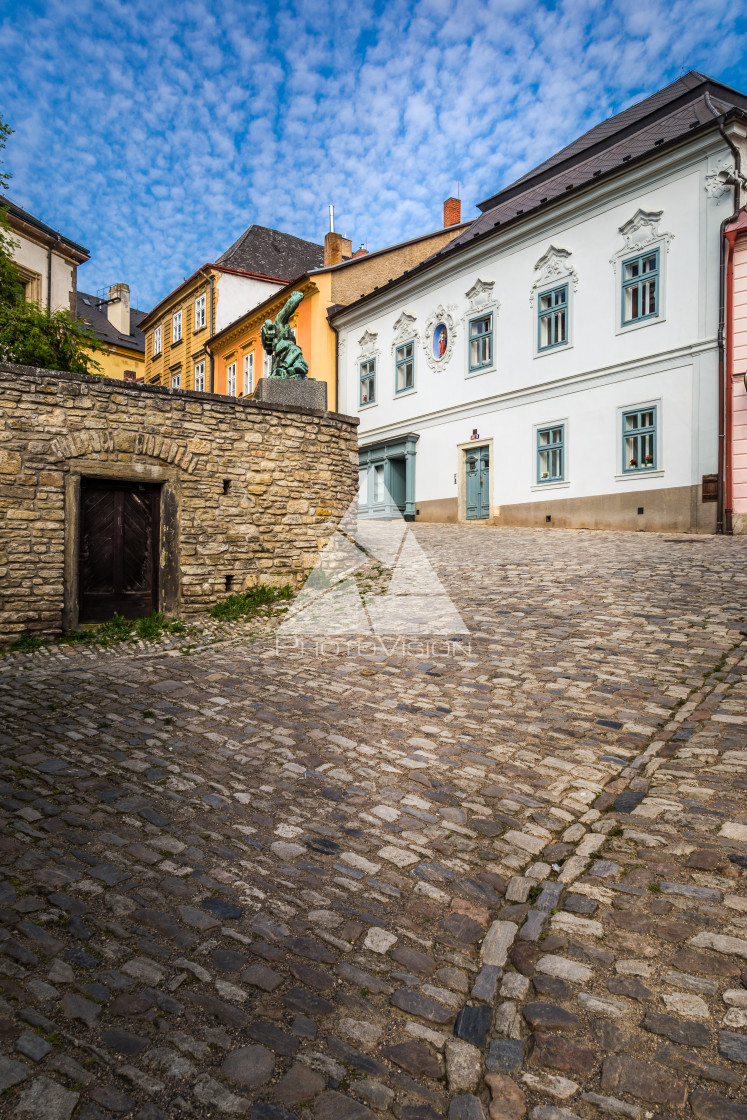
pixel 250 492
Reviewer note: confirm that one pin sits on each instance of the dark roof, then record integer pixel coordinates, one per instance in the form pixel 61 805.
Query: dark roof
pixel 87 307
pixel 665 117
pixel 693 103
pixel 272 253
pixel 24 216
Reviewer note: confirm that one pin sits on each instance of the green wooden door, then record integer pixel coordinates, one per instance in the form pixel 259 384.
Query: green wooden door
pixel 478 483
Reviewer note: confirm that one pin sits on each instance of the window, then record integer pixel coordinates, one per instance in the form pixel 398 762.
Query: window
pixel 368 381
pixel 248 374
pixel 176 381
pixel 404 357
pixel 231 379
pixel 200 377
pixel 640 287
pixel 639 440
pixel 481 343
pixel 363 487
pixel 176 327
pixel 266 364
pixel 552 310
pixel 156 341
pixel 378 484
pixel 200 312
pixel 550 454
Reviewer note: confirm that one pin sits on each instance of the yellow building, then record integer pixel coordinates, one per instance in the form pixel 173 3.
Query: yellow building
pixel 116 325
pixel 177 330
pixel 238 358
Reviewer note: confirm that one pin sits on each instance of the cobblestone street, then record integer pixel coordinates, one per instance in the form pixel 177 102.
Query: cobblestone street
pixel 243 882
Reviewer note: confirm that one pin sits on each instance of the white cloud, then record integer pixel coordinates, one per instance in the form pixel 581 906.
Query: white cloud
pixel 154 135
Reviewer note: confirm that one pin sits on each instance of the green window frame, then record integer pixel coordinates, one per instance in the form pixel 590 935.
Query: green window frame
pixel 404 362
pixel 552 318
pixel 639 440
pixel 551 454
pixel 641 287
pixel 481 342
pixel 368 381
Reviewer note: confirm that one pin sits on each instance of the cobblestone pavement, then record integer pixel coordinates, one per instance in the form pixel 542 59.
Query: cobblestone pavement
pixel 239 882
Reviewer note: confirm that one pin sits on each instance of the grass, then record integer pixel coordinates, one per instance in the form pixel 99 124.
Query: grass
pixel 249 602
pixel 27 643
pixel 116 630
pixel 655 888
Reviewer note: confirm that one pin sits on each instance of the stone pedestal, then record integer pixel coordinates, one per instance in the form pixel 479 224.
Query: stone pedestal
pixel 303 391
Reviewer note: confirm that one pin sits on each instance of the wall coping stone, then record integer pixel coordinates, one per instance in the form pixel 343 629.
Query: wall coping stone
pixel 9 370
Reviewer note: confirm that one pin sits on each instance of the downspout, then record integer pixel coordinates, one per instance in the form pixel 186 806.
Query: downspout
pixel 337 366
pixel 211 278
pixel 724 397
pixel 50 250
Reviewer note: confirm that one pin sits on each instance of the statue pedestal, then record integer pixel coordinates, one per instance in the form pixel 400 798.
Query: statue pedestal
pixel 304 392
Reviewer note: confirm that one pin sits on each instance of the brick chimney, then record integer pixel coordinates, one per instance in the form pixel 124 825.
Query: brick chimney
pixel 336 249
pixel 452 212
pixel 118 311
pixel 362 252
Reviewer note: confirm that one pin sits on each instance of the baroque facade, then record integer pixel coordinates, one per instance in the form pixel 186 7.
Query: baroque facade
pixel 559 363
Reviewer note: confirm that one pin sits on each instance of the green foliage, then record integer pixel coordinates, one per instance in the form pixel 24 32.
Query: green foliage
pixel 146 629
pixel 32 337
pixel 249 602
pixel 28 335
pixel 27 643
pixel 655 888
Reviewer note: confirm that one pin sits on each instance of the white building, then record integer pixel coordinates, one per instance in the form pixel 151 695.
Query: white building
pixel 47 262
pixel 558 362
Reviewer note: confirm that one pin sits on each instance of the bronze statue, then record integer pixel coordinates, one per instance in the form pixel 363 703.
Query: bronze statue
pixel 278 339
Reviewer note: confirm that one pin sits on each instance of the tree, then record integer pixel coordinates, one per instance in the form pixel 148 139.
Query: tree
pixel 28 335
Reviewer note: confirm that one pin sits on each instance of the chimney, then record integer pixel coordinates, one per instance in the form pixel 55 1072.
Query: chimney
pixel 452 212
pixel 336 248
pixel 118 308
pixel 362 252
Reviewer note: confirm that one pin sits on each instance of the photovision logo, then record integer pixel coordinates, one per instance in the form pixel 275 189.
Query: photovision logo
pixel 337 612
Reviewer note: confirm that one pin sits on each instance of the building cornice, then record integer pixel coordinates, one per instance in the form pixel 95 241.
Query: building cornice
pixel 577 382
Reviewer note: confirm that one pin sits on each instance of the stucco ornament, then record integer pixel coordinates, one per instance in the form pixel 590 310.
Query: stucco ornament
pixel 404 329
pixel 279 341
pixel 716 185
pixel 367 345
pixel 480 296
pixel 641 230
pixel 553 267
pixel 438 343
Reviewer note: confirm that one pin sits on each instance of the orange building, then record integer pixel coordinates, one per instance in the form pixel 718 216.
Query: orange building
pixel 179 329
pixel 238 358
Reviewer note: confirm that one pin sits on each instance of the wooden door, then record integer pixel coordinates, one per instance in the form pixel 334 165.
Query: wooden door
pixel 478 483
pixel 118 552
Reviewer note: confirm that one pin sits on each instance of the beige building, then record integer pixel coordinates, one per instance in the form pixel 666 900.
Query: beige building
pixel 47 261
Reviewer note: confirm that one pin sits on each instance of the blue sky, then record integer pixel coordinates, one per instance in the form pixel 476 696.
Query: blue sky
pixel 154 134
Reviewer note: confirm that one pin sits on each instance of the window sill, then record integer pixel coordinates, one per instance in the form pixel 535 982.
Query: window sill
pixel 560 485
pixel 638 474
pixel 197 330
pixel 404 393
pixel 363 407
pixel 478 372
pixel 639 323
pixel 559 349
pixel 178 342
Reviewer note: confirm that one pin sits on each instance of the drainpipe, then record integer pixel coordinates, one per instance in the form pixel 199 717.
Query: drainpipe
pixel 723 516
pixel 50 250
pixel 337 365
pixel 212 327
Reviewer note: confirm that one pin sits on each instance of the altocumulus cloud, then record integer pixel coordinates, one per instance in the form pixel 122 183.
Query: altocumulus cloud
pixel 155 134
